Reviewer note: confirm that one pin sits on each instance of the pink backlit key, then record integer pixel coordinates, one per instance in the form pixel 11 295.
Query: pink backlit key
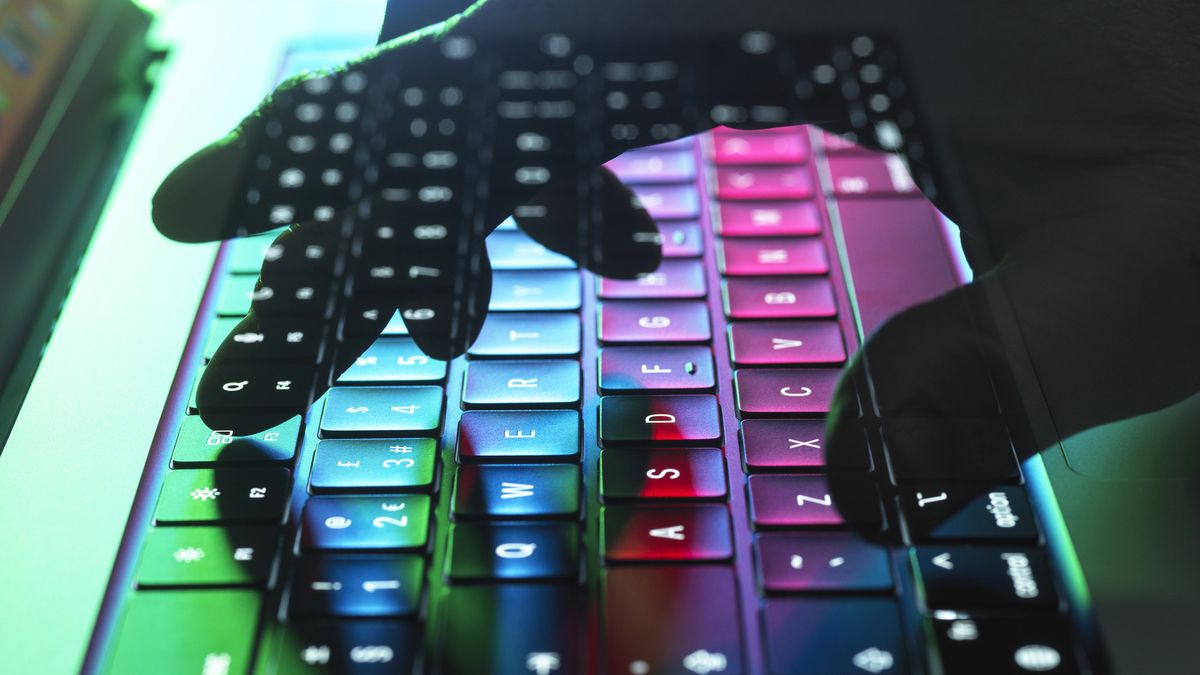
pixel 669 202
pixel 841 145
pixel 654 167
pixel 876 176
pixel 654 322
pixel 780 343
pixel 768 219
pixel 681 239
pixel 784 392
pixel 751 148
pixel 806 501
pixel 760 257
pixel 791 298
pixel 764 183
pixel 674 279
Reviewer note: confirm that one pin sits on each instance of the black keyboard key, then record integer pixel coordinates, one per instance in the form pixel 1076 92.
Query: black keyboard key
pixel 505 436
pixel 199 445
pixel 521 384
pixel 968 513
pixel 357 587
pixel 358 647
pixel 654 322
pixel 517 491
pixel 805 501
pixel 844 635
pixel 283 339
pixel 821 562
pixel 391 360
pixel 535 290
pixel 526 629
pixel 527 334
pixel 236 495
pixel 674 280
pixel 792 445
pixel 697 532
pixel 175 632
pixel 660 420
pixel 692 473
pixel 949 449
pixel 779 392
pixel 381 411
pixel 674 620
pixel 983 577
pixel 251 386
pixel 1005 645
pixel 660 369
pixel 207 556
pixel 480 551
pixel 365 523
pixel 362 465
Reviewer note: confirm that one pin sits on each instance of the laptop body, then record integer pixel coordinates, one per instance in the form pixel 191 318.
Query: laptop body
pixel 119 486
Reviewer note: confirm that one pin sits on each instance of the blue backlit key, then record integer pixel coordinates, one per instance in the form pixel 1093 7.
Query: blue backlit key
pixel 481 551
pixel 517 491
pixel 363 587
pixel 514 250
pixel 381 411
pixel 365 523
pixel 527 334
pixel 507 436
pixel 521 384
pixel 369 465
pixel 393 360
pixel 534 290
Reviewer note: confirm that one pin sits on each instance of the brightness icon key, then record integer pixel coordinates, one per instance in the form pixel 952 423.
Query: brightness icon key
pixel 207 556
pixel 233 495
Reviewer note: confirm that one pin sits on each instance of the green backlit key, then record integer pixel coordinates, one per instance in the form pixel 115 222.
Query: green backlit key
pixel 225 495
pixel 186 632
pixel 199 445
pixel 207 556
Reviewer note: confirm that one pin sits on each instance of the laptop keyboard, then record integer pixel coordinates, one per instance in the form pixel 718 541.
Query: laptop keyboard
pixel 621 475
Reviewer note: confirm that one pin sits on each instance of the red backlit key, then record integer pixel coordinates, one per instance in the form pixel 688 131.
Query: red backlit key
pixel 793 298
pixel 660 420
pixel 654 322
pixel 693 473
pixel 653 533
pixel 877 176
pixel 778 343
pixel 764 183
pixel 751 148
pixel 674 202
pixel 797 392
pixel 771 219
pixel 805 501
pixel 652 167
pixel 772 257
pixel 674 279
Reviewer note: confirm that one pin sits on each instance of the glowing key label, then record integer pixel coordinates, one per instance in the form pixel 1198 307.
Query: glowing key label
pixel 1037 658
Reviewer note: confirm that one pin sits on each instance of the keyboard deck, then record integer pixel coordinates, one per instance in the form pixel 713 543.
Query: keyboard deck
pixel 620 476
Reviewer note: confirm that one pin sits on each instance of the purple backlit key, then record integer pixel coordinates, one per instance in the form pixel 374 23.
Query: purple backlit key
pixel 654 167
pixel 654 322
pixel 791 444
pixel 660 420
pixel 778 343
pixel 681 239
pixel 770 219
pixel 659 369
pixel 669 202
pixel 832 561
pixel 876 176
pixel 674 279
pixel 797 392
pixel 806 501
pixel 758 183
pixel 751 148
pixel 792 298
pixel 761 257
